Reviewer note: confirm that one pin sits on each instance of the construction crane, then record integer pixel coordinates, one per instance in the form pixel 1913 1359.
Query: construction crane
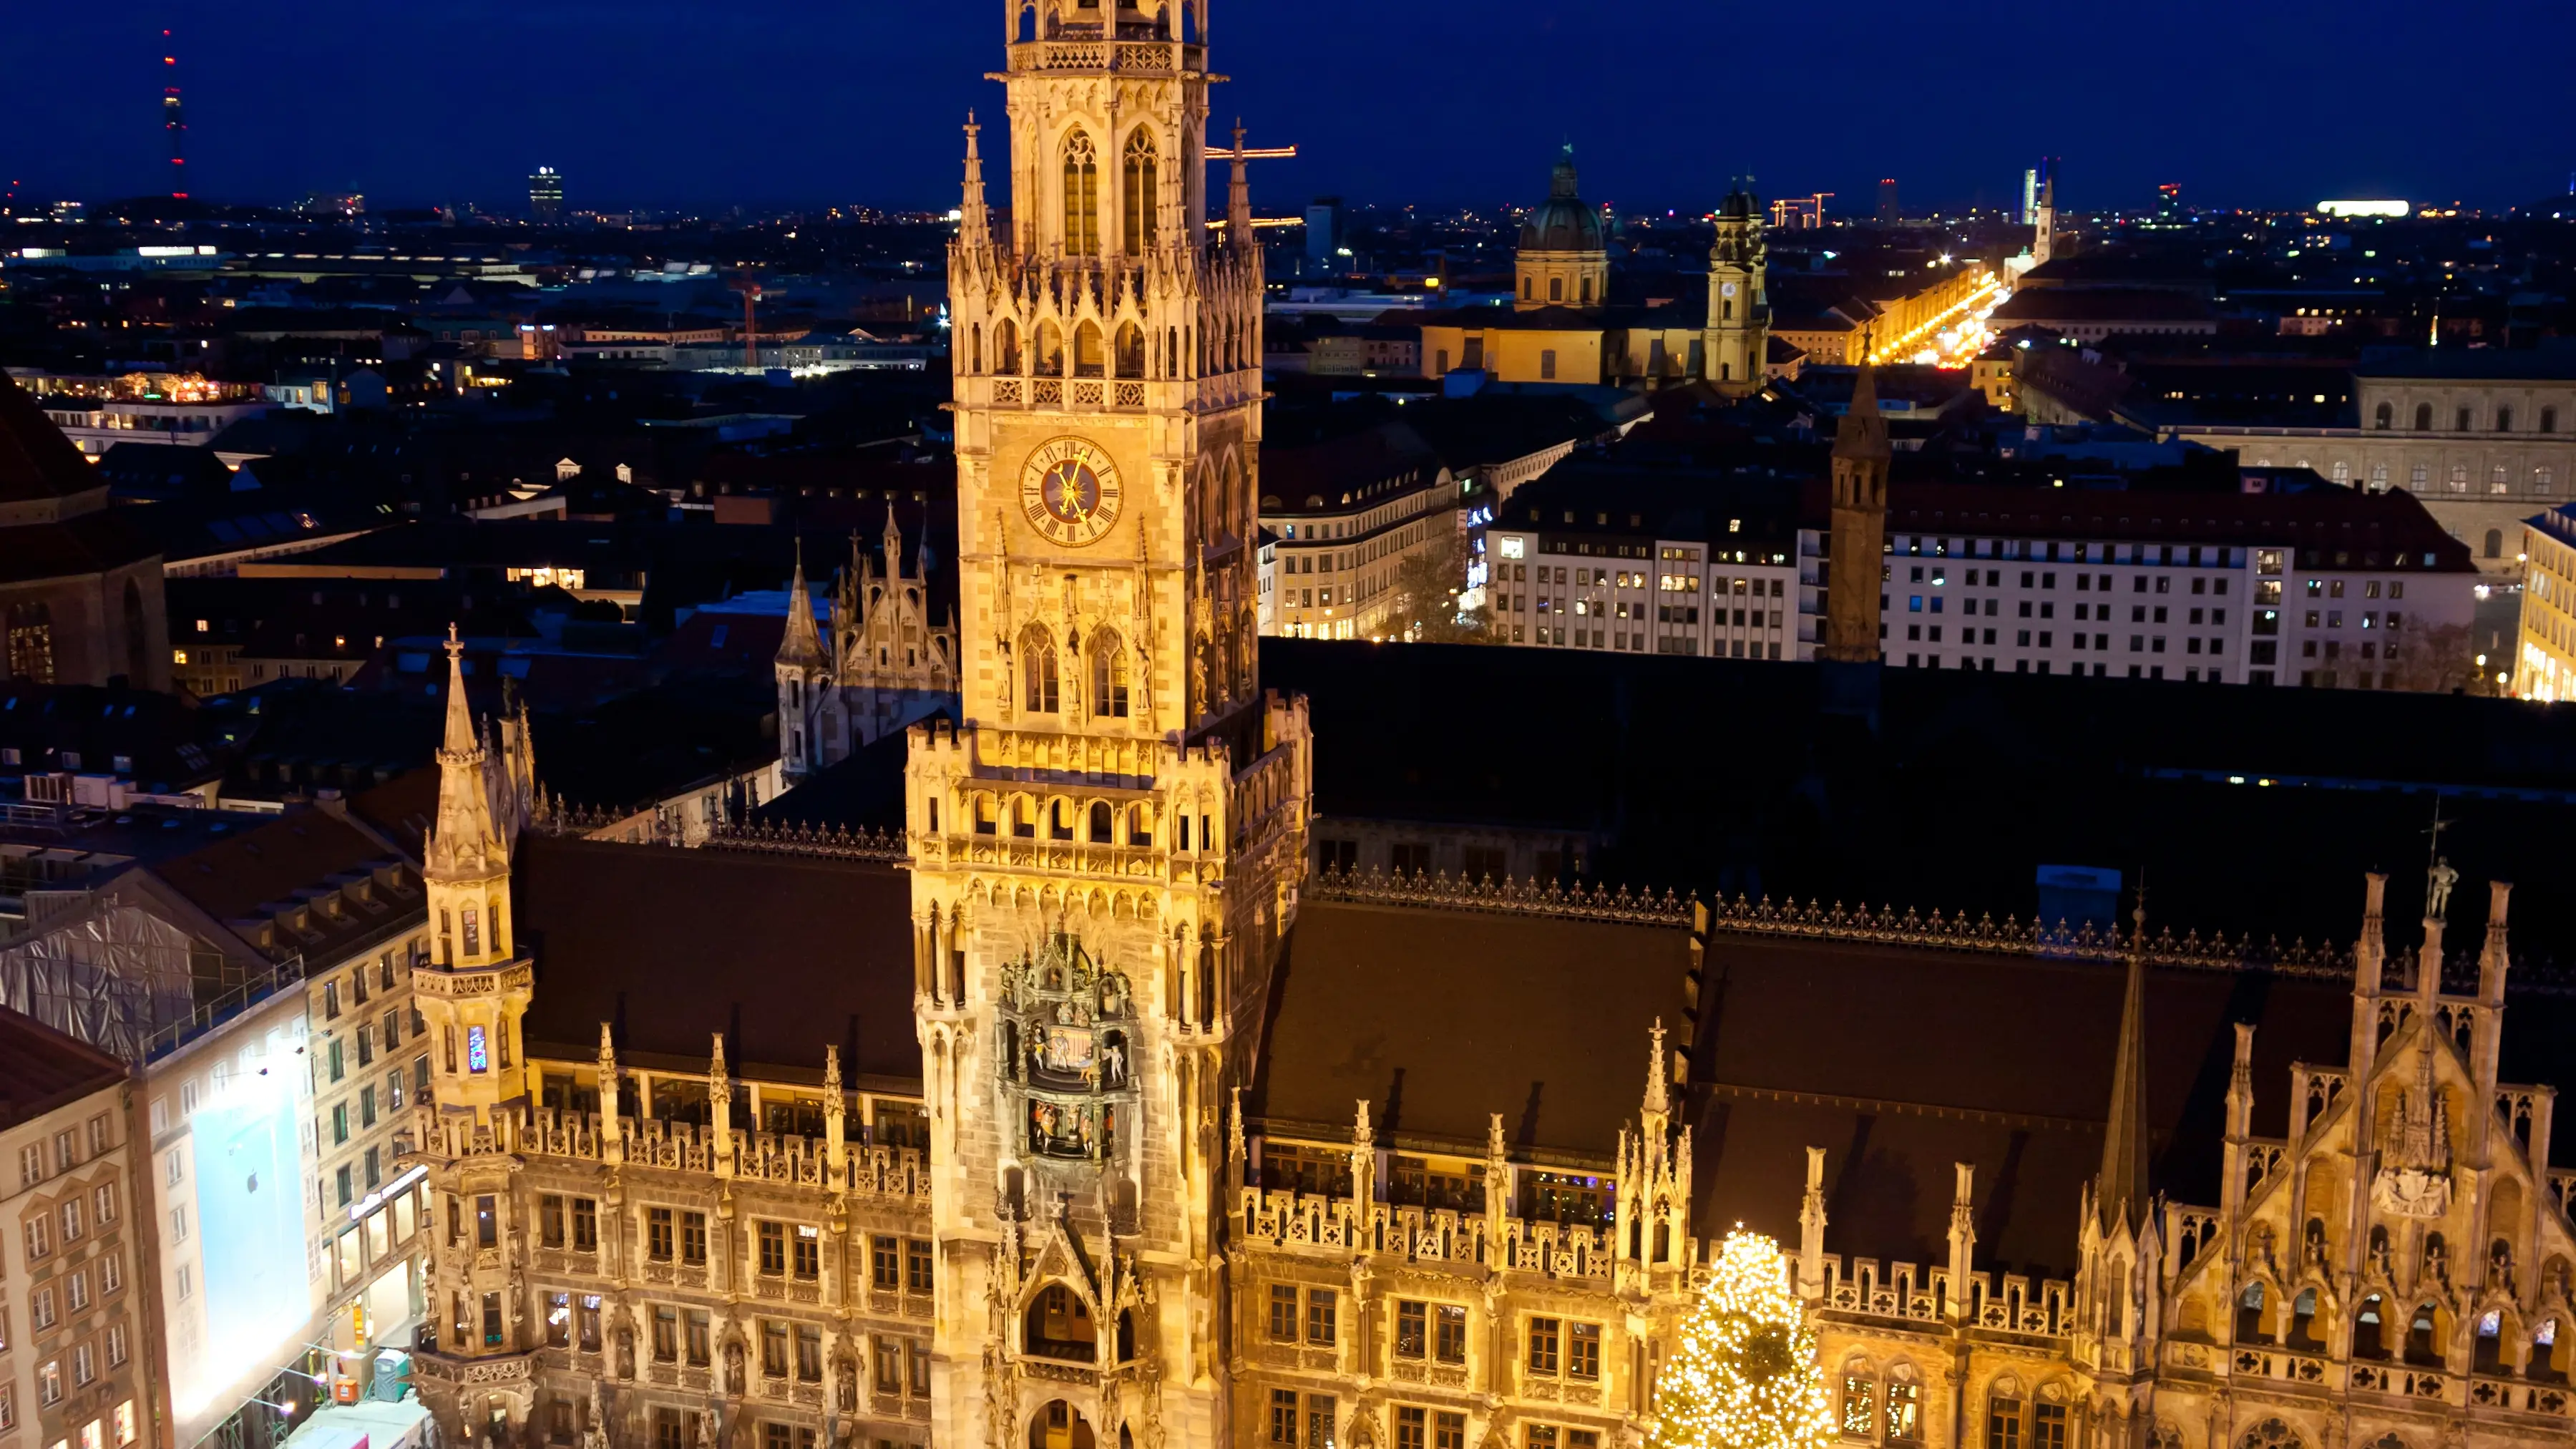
pixel 749 286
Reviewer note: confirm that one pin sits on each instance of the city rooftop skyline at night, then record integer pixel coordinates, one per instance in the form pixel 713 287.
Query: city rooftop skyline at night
pixel 767 105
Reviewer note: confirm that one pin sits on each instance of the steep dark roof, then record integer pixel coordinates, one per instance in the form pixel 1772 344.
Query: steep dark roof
pixel 1343 471
pixel 36 460
pixel 2048 305
pixel 1899 1097
pixel 2368 526
pixel 783 954
pixel 268 865
pixel 86 543
pixel 1438 1019
pixel 41 1069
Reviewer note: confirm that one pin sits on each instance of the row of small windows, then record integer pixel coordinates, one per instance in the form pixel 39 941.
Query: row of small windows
pixel 2462 419
pixel 2419 477
pixel 1223 347
pixel 2375 1334
pixel 1556 290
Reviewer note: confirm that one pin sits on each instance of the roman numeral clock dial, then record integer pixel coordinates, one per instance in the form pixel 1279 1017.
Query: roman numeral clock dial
pixel 1069 490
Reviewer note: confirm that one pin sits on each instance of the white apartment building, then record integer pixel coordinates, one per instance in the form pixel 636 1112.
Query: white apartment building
pixel 1647 563
pixel 1340 519
pixel 2329 589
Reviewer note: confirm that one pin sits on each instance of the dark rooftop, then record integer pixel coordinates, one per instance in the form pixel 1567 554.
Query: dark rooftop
pixel 42 1070
pixel 1713 775
pixel 1436 1019
pixel 783 954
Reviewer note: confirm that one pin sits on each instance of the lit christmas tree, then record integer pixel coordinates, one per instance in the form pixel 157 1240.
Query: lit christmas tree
pixel 1745 1376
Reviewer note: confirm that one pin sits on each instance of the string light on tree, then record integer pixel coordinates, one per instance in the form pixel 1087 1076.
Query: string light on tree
pixel 1745 1376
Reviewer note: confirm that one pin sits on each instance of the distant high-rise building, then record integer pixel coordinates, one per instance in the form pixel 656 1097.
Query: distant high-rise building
pixel 1323 229
pixel 173 121
pixel 2029 195
pixel 545 195
pixel 1887 208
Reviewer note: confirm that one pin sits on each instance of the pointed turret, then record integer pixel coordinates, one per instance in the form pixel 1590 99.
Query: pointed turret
pixel 802 646
pixel 2120 1191
pixel 1656 1115
pixel 465 842
pixel 1855 568
pixel 1863 433
pixel 974 222
pixel 1238 197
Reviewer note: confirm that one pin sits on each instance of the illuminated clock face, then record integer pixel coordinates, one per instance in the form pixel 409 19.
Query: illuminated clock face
pixel 1069 491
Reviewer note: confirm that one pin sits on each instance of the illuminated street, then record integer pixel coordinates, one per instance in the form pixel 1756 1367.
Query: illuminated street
pixel 1956 336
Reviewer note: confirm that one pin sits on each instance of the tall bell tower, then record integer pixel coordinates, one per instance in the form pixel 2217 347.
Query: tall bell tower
pixel 1106 850
pixel 472 994
pixel 1739 301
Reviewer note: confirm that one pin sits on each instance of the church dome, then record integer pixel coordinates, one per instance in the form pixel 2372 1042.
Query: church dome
pixel 1562 223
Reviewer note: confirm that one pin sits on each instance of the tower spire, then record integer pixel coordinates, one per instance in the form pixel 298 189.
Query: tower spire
pixel 802 645
pixel 1862 434
pixel 974 223
pixel 1852 582
pixel 465 842
pixel 1238 195
pixel 2120 1192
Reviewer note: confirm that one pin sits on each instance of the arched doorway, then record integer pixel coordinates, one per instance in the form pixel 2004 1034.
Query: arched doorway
pixel 1059 1426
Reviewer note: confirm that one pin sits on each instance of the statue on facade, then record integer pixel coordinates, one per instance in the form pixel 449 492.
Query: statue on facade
pixel 2437 897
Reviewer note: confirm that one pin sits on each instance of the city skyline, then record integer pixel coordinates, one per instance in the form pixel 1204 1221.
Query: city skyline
pixel 646 113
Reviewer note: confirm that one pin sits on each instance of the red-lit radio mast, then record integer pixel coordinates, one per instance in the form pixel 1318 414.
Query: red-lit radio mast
pixel 174 122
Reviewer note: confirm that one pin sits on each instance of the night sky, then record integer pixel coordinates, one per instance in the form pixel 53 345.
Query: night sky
pixel 765 102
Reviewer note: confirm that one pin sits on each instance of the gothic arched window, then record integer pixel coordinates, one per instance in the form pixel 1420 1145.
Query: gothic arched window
pixel 1037 670
pixel 1138 193
pixel 1006 346
pixel 1049 361
pixel 31 642
pixel 1081 196
pixel 1086 350
pixel 1108 676
pixel 2423 417
pixel 1129 354
pixel 2383 416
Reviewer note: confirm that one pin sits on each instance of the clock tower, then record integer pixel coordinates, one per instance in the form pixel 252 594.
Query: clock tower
pixel 1106 851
